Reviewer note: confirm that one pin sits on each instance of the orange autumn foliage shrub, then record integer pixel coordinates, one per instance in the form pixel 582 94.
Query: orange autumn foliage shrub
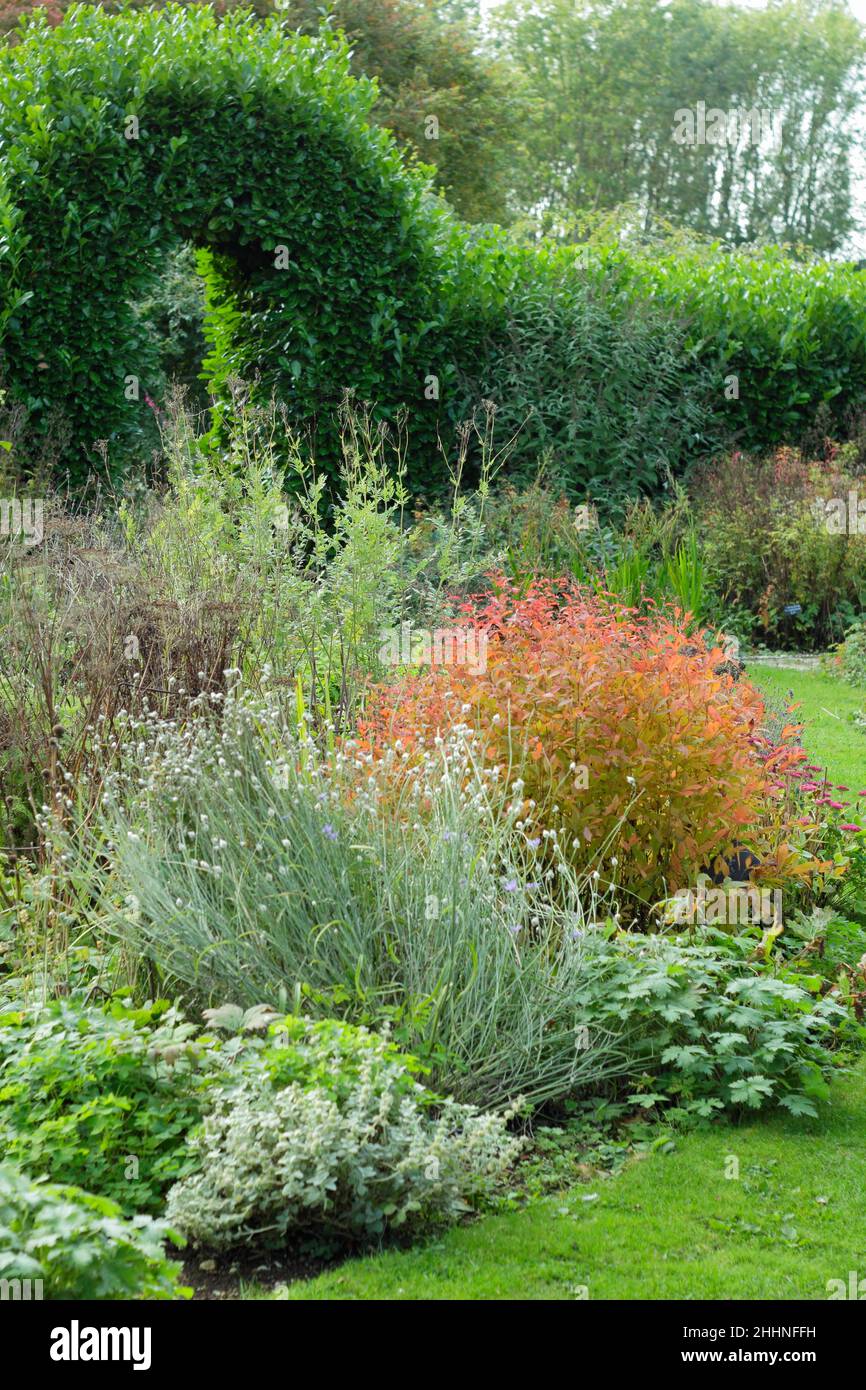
pixel 644 757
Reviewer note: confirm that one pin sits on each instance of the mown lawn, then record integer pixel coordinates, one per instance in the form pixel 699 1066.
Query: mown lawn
pixel 670 1226
pixel 770 1208
pixel 826 708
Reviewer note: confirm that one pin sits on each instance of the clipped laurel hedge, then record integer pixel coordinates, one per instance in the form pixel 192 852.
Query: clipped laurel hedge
pixel 602 381
pixel 791 331
pixel 121 135
pixel 329 264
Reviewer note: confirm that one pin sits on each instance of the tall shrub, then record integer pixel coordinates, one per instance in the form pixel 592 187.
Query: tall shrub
pixel 782 544
pixel 633 743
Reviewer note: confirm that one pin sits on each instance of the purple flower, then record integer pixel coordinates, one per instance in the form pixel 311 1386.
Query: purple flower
pixel 329 832
pixel 515 929
pixel 511 885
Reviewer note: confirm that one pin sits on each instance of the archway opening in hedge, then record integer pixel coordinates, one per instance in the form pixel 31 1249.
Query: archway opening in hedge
pixel 123 135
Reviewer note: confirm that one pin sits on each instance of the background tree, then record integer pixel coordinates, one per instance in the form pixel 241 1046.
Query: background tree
pixel 606 79
pixel 445 103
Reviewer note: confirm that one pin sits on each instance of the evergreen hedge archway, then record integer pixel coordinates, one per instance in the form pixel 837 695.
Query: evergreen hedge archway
pixel 122 134
pixel 329 264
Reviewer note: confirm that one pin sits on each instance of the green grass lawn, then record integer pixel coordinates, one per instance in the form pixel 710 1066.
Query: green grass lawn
pixel 826 708
pixel 670 1226
pixel 676 1225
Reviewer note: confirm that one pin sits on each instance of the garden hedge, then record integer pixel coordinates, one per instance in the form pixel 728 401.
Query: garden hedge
pixel 791 331
pixel 329 264
pixel 121 135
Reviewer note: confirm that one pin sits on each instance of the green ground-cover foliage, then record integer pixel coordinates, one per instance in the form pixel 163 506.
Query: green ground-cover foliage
pixel 74 1245
pixel 99 1098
